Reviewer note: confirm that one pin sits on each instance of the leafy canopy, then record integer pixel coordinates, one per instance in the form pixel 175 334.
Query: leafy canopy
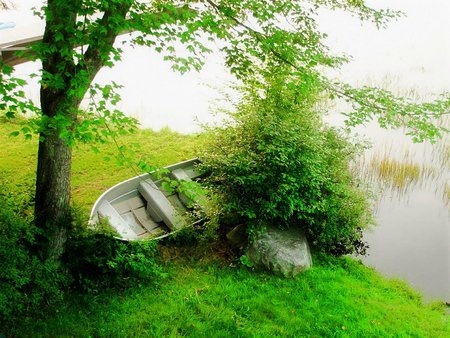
pixel 254 36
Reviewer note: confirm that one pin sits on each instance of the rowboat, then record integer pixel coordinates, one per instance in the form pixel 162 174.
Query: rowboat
pixel 140 208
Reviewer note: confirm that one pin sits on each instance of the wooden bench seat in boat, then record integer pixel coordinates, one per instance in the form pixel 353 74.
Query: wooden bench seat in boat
pixel 181 175
pixel 159 207
pixel 106 210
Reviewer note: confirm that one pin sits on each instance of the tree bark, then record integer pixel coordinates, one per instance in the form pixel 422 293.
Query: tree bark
pixel 52 207
pixel 52 204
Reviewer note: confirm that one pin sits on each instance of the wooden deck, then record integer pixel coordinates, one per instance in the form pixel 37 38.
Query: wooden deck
pixel 18 39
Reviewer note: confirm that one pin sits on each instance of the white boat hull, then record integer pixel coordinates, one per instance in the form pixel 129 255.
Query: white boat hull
pixel 138 208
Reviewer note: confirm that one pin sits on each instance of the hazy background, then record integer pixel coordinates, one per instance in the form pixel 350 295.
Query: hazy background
pixel 412 52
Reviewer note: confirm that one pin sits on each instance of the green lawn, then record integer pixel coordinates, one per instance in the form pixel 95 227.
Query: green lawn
pixel 204 298
pixel 207 296
pixel 91 173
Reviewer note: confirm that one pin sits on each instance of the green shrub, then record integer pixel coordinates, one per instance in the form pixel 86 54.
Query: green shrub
pixel 96 259
pixel 26 282
pixel 276 162
pixel 93 259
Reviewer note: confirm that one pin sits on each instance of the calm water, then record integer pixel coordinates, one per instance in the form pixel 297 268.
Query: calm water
pixel 412 58
pixel 412 239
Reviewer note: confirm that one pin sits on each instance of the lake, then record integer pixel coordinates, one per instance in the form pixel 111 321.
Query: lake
pixel 412 239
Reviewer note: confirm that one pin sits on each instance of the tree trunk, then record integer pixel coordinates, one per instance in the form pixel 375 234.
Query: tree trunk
pixel 52 207
pixel 62 90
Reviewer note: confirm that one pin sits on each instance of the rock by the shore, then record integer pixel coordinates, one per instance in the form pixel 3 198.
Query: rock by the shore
pixel 284 252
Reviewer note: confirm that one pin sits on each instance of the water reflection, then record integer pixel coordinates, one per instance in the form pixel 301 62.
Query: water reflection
pixel 412 241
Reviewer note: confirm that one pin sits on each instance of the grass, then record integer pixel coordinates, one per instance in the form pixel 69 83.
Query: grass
pixel 208 296
pixel 400 168
pixel 205 298
pixel 91 173
pixel 395 173
pixel 166 147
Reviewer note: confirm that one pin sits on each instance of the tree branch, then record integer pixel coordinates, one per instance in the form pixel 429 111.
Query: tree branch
pixel 105 35
pixel 339 91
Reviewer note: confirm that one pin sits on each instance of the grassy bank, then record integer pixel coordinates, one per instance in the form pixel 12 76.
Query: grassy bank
pixel 206 296
pixel 209 299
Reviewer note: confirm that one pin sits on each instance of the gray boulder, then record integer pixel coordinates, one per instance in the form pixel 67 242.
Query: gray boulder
pixel 284 252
